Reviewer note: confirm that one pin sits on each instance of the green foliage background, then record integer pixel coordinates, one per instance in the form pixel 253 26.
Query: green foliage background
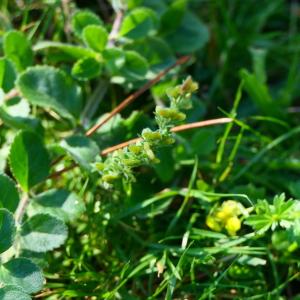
pixel 73 236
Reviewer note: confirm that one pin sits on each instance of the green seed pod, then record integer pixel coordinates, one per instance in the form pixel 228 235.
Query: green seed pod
pixel 135 149
pixel 150 135
pixel 131 162
pixel 168 140
pixel 100 166
pixel 149 151
pixel 170 113
pixel 109 178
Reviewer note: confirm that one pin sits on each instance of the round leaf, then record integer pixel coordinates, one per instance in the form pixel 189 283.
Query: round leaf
pixel 23 273
pixel 7 230
pixel 29 160
pixel 191 35
pixel 114 59
pixel 95 37
pixel 48 87
pixel 59 203
pixel 11 292
pixel 9 196
pixel 42 233
pixel 139 23
pixel 135 67
pixel 86 68
pixel 18 49
pixel 81 19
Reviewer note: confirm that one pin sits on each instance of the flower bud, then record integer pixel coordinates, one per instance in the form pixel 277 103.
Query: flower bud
pixel 189 86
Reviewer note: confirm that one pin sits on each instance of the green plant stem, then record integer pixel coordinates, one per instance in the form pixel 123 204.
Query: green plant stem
pixel 21 209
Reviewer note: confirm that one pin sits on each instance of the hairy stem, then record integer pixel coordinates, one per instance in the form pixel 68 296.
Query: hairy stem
pixel 125 144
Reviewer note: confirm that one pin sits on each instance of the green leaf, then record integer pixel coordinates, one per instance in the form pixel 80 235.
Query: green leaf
pixel 66 52
pixel 95 37
pixel 83 18
pixel 156 51
pixel 9 196
pixel 48 87
pixel 7 230
pixel 172 18
pixel 139 23
pixel 12 292
pixel 190 36
pixel 260 95
pixel 281 213
pixel 7 74
pixel 18 49
pixel 135 68
pixel 23 273
pixel 204 141
pixel 82 149
pixel 22 123
pixel 114 59
pixel 29 159
pixel 59 203
pixel 86 68
pixel 42 233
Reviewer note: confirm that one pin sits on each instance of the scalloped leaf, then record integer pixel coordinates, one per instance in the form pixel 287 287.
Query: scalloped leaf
pixel 59 203
pixel 23 273
pixel 22 123
pixel 83 18
pixel 95 37
pixel 86 68
pixel 7 230
pixel 48 87
pixel 82 149
pixel 18 49
pixel 190 36
pixel 135 68
pixel 12 292
pixel 9 196
pixel 29 159
pixel 139 23
pixel 42 233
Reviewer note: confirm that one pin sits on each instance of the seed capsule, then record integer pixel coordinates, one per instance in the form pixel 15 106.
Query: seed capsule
pixel 149 151
pixel 150 135
pixel 170 113
pixel 135 149
pixel 109 178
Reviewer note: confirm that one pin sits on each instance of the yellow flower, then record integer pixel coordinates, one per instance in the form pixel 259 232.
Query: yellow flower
pixel 212 223
pixel 233 225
